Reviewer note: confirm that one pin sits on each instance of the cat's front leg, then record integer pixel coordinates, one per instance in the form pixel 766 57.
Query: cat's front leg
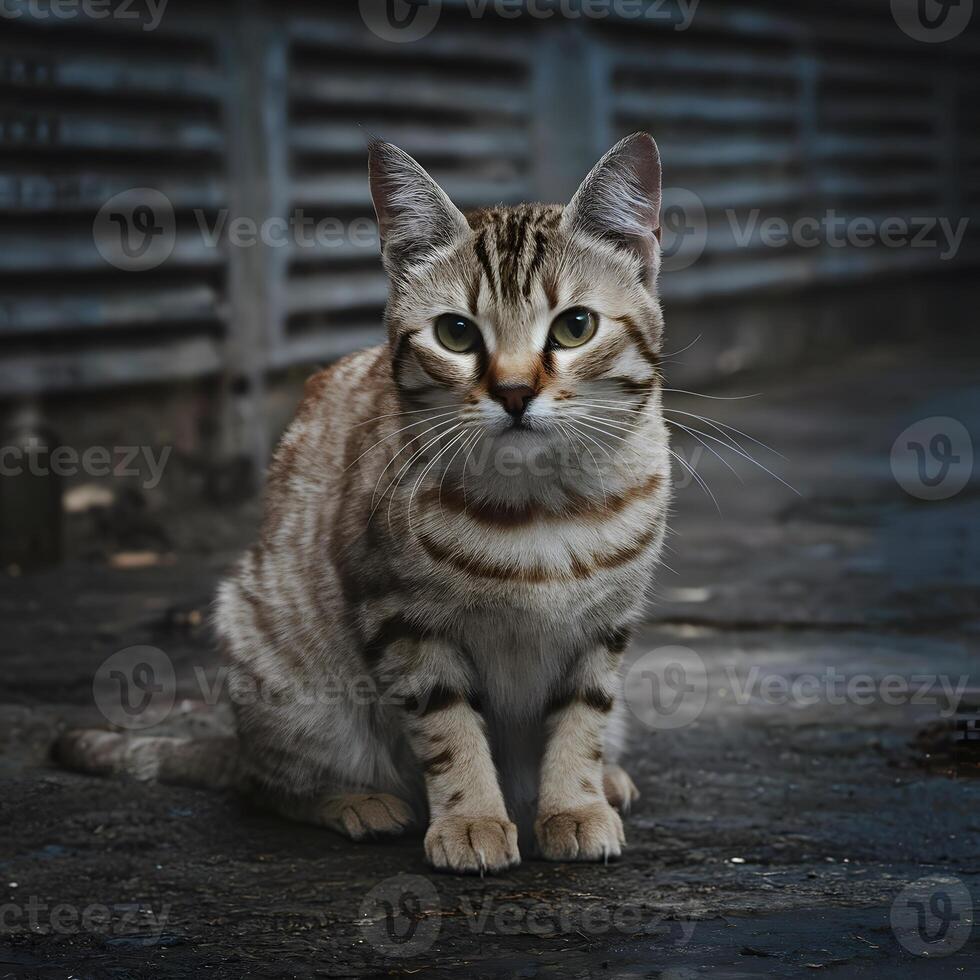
pixel 575 820
pixel 469 829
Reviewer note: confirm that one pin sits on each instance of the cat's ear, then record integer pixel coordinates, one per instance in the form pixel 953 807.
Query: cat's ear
pixel 415 216
pixel 620 199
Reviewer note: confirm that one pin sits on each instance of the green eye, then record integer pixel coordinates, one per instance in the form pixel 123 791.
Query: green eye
pixel 456 333
pixel 573 327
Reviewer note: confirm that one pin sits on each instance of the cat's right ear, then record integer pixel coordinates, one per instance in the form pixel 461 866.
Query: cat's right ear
pixel 620 199
pixel 415 215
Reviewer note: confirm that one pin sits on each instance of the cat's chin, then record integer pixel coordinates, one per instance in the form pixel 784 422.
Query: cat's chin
pixel 526 438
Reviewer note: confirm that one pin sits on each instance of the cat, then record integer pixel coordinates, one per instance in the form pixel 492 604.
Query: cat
pixel 459 532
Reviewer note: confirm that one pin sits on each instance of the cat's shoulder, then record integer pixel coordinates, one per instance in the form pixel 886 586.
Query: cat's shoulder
pixel 356 373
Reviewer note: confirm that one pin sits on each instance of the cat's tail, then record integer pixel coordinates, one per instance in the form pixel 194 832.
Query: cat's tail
pixel 207 762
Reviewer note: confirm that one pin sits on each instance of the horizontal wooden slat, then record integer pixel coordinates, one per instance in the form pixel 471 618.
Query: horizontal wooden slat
pixel 56 129
pixel 87 190
pixel 102 367
pixel 792 271
pixel 442 44
pixel 351 192
pixel 105 309
pixel 327 138
pixel 323 346
pixel 341 252
pixel 838 185
pixel 407 92
pixel 727 153
pixel 51 251
pixel 747 192
pixel 884 147
pixel 897 74
pixel 717 108
pixel 329 293
pixel 51 68
pixel 665 55
pixel 190 26
pixel 875 110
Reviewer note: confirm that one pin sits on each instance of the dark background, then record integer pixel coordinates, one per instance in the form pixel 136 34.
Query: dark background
pixel 262 110
pixel 772 837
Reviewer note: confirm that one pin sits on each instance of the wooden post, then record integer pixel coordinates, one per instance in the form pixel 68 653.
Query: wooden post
pixel 572 125
pixel 255 62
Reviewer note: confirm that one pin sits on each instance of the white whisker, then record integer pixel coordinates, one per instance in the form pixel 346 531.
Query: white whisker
pixel 745 455
pixel 395 433
pixel 435 459
pixel 718 398
pixel 392 415
pixel 393 486
pixel 714 452
pixel 681 460
pixel 397 454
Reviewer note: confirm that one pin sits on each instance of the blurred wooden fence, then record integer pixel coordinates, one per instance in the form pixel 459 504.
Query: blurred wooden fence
pixel 261 110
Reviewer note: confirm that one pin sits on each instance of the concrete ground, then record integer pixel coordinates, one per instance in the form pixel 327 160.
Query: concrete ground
pixel 809 802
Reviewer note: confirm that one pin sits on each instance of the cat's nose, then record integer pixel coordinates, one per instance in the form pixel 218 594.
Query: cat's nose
pixel 514 398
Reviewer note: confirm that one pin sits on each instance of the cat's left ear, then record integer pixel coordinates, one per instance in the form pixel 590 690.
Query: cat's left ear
pixel 415 215
pixel 620 199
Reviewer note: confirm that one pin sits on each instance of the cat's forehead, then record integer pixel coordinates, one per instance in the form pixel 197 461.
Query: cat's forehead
pixel 509 252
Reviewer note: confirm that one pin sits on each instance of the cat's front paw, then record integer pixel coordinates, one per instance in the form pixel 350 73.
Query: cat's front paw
pixel 472 845
pixel 589 833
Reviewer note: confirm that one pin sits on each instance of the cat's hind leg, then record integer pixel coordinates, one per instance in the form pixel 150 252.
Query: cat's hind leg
pixel 357 815
pixel 620 790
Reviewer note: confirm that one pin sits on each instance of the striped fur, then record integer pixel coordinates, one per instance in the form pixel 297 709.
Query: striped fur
pixel 484 577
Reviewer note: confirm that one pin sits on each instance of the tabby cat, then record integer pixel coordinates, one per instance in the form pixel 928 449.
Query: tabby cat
pixel 460 528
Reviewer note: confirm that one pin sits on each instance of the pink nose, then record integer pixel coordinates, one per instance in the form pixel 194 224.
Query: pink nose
pixel 514 398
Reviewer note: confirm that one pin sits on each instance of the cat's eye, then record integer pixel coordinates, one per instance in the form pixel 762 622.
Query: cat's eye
pixel 457 333
pixel 573 327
